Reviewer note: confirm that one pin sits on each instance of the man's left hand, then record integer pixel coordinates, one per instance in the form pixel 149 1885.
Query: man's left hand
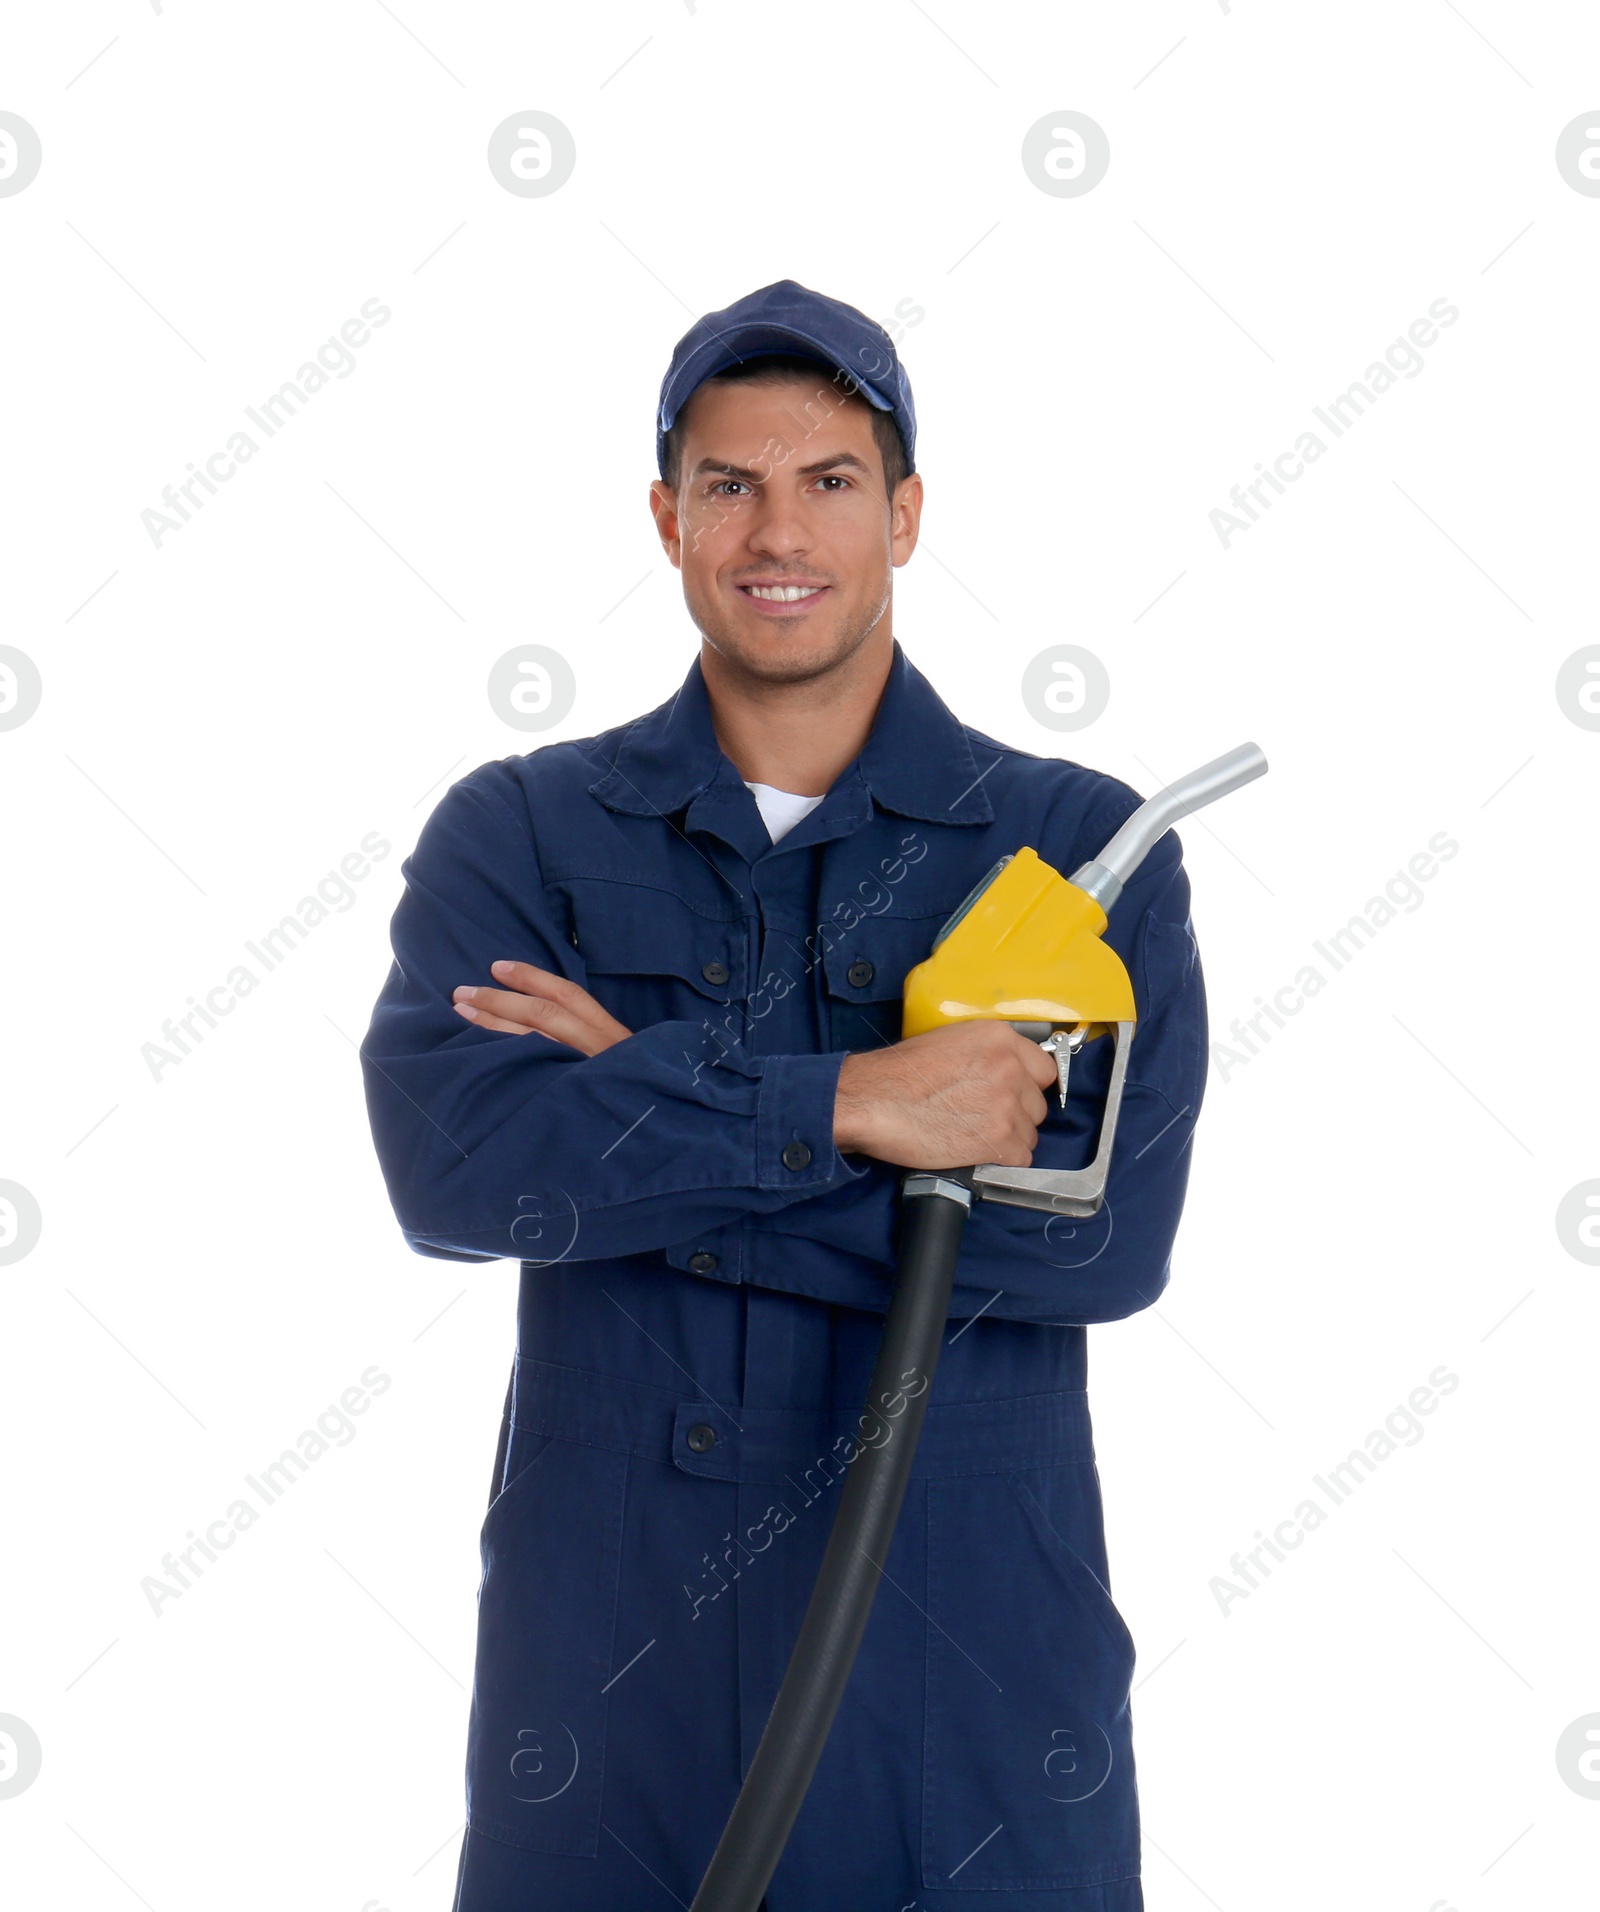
pixel 536 1002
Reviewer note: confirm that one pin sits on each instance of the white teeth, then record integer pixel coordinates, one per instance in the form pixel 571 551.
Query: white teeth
pixel 782 593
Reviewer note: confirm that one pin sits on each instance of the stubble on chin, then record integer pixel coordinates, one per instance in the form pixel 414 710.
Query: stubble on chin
pixel 791 655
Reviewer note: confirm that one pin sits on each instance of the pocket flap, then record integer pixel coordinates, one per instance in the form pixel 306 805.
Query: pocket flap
pixel 621 930
pixel 870 962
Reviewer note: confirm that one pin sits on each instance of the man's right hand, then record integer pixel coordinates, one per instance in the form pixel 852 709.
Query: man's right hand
pixel 968 1093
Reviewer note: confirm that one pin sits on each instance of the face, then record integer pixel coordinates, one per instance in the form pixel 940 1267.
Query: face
pixel 781 528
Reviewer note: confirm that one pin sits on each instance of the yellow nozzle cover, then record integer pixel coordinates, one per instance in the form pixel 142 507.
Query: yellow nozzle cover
pixel 1028 949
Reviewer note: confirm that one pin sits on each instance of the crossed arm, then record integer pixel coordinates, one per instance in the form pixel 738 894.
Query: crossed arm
pixel 971 1092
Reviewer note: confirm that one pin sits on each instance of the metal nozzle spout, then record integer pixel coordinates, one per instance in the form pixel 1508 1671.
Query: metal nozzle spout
pixel 1107 875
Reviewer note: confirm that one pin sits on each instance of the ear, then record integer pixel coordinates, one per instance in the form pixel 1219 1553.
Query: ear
pixel 905 518
pixel 664 509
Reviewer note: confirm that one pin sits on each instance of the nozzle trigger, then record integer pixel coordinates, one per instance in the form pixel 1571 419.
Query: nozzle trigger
pixel 1064 1044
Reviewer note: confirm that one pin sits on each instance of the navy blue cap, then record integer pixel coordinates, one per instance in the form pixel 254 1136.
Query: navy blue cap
pixel 787 317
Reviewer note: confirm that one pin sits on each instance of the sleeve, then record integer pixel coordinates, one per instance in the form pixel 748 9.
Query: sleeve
pixel 1023 1264
pixel 498 1146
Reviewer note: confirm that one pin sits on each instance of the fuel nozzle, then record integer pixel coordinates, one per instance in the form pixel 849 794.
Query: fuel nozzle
pixel 1026 947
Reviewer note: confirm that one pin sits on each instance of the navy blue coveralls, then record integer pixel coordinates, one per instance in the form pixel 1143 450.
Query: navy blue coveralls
pixel 703 1284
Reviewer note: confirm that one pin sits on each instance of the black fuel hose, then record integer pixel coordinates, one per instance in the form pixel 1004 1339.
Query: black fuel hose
pixel 933 1213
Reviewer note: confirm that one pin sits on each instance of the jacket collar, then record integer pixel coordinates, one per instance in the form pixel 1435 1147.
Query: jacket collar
pixel 917 762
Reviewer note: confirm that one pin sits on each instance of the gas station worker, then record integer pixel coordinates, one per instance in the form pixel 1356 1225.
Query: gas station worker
pixel 641 1036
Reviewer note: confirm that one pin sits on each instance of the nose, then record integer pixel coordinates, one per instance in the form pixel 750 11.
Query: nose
pixel 778 528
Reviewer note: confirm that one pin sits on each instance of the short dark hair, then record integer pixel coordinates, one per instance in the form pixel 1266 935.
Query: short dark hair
pixel 780 368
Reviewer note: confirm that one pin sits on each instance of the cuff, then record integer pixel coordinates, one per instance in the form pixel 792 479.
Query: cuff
pixel 794 1124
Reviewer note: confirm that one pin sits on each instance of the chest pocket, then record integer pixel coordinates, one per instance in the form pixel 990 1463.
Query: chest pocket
pixel 864 973
pixel 649 959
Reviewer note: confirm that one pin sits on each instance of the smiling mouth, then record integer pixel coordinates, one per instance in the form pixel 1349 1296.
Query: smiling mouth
pixel 782 596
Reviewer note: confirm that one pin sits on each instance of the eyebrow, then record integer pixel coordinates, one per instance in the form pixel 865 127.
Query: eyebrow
pixel 803 471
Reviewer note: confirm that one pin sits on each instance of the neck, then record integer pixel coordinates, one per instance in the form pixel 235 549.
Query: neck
pixel 798 736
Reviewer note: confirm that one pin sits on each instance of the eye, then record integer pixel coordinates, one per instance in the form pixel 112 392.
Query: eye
pixel 833 478
pixel 725 486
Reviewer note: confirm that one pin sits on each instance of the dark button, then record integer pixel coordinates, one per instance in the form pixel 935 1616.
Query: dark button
pixel 796 1155
pixel 700 1263
pixel 717 973
pixel 858 975
pixel 702 1438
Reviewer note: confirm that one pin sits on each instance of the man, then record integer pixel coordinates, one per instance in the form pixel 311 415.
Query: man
pixel 702 920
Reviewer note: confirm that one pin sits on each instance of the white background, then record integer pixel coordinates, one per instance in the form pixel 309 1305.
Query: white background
pixel 224 718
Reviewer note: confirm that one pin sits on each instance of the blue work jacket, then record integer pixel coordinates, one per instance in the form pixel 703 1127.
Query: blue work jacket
pixel 703 1282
